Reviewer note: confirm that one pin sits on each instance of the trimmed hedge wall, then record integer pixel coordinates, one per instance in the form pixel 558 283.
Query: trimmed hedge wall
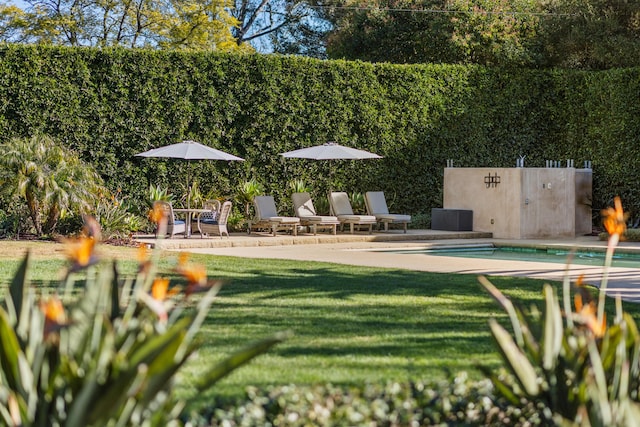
pixel 110 104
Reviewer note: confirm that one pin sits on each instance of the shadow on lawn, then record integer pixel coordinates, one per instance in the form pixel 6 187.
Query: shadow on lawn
pixel 359 313
pixel 339 283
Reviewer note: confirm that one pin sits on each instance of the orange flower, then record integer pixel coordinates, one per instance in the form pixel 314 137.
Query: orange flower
pixel 586 314
pixel 80 252
pixel 54 315
pixel 195 274
pixel 144 264
pixel 157 214
pixel 160 289
pixel 614 218
pixel 143 252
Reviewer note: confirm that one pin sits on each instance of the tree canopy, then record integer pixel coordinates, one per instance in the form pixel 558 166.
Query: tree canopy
pixel 190 24
pixel 587 34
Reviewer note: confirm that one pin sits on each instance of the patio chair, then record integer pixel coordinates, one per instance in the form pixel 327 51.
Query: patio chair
pixel 215 222
pixel 174 226
pixel 212 204
pixel 212 207
pixel 266 217
pixel 341 207
pixel 303 208
pixel 377 206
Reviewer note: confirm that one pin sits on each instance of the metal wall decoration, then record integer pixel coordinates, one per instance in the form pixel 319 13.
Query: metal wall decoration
pixel 492 181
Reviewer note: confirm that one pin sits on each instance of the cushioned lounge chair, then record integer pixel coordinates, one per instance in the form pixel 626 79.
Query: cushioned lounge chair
pixel 174 226
pixel 377 206
pixel 215 222
pixel 303 208
pixel 341 207
pixel 267 217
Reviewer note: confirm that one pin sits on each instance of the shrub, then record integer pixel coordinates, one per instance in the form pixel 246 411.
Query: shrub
pixel 357 203
pixel 51 181
pixel 321 203
pixel 420 221
pixel 236 221
pixel 629 235
pixel 246 192
pixel 569 363
pixel 455 401
pixel 156 192
pixel 298 186
pixel 105 352
pixel 114 215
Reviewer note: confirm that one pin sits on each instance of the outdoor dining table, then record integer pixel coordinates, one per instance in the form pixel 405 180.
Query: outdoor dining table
pixel 189 214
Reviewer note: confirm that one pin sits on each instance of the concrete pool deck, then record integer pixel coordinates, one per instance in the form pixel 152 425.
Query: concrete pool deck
pixel 372 251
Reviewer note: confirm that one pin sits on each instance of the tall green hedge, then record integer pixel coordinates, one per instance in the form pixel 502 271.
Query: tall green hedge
pixel 110 104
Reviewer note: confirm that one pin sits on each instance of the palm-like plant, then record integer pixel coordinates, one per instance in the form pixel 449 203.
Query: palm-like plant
pixel 246 192
pixel 108 354
pixel 298 186
pixel 156 193
pixel 52 181
pixel 357 202
pixel 570 364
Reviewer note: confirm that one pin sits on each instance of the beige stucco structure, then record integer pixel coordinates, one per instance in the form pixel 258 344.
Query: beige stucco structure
pixel 522 203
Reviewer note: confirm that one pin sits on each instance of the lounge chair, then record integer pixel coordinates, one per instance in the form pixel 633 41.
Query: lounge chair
pixel 303 208
pixel 377 206
pixel 215 222
pixel 267 217
pixel 341 207
pixel 174 226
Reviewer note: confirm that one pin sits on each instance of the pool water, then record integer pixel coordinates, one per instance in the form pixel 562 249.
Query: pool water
pixel 559 256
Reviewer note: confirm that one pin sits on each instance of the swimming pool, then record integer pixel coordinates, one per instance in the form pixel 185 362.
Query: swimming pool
pixel 514 253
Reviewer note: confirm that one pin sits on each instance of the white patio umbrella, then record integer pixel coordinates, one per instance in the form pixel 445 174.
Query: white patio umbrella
pixel 189 150
pixel 330 151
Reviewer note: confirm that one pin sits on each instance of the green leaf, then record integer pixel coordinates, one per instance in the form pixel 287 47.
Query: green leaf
pixel 553 330
pixel 517 361
pixel 104 400
pixel 10 354
pixel 503 388
pixel 156 345
pixel 508 307
pixel 114 313
pixel 17 291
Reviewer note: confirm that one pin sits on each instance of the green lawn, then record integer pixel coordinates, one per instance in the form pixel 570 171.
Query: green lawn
pixel 350 324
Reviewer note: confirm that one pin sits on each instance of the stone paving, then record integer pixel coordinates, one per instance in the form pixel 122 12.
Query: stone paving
pixel 372 250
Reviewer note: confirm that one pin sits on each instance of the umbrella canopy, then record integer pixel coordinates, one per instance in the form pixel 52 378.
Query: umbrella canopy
pixel 189 150
pixel 330 151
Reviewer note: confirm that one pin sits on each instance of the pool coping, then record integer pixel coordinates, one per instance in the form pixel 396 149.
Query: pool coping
pixel 622 280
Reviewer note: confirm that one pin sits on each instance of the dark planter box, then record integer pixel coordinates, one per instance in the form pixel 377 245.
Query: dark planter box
pixel 451 219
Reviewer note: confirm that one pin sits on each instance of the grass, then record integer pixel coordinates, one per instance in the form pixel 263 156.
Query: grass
pixel 351 325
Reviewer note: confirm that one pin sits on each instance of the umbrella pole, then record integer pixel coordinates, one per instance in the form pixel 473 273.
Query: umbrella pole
pixel 188 185
pixel 330 188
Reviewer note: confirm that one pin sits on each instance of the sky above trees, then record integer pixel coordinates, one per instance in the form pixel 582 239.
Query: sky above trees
pixel 586 34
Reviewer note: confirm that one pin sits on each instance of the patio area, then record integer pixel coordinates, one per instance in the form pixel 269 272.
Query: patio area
pixel 262 239
pixel 373 250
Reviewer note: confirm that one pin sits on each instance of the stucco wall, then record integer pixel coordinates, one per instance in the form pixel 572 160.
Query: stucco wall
pixel 518 203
